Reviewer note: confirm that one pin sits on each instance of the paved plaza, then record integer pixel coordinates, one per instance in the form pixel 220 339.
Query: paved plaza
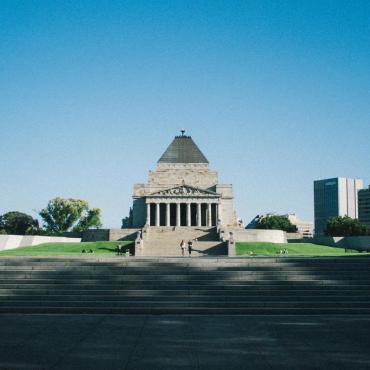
pixel 184 342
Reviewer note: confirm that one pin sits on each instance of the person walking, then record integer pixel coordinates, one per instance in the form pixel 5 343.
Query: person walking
pixel 182 247
pixel 190 247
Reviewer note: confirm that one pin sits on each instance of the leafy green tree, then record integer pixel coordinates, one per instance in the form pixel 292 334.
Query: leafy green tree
pixel 18 223
pixel 90 220
pixel 345 226
pixel 275 222
pixel 61 215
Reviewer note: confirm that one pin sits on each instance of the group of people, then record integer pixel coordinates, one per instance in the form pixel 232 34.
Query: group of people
pixel 283 251
pixel 189 245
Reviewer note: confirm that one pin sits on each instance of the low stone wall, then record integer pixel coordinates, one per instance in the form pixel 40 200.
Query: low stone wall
pixel 254 235
pixel 258 235
pixel 16 241
pixel 361 243
pixel 97 235
pixel 293 236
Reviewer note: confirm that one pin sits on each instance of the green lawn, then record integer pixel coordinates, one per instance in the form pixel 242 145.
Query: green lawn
pixel 294 249
pixel 69 249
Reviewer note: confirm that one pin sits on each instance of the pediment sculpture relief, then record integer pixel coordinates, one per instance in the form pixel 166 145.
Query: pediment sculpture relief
pixel 184 190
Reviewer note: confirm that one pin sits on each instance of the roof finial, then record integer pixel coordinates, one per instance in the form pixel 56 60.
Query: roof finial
pixel 182 132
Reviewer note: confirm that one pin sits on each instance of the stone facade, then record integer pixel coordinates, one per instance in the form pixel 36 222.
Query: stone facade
pixel 182 191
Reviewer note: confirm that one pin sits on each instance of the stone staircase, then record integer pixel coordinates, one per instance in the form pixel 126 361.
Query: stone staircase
pixel 165 242
pixel 207 285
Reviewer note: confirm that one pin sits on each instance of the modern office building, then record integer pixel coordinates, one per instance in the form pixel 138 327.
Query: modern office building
pixel 335 197
pixel 364 206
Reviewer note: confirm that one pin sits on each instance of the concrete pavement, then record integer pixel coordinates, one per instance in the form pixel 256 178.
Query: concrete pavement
pixel 184 342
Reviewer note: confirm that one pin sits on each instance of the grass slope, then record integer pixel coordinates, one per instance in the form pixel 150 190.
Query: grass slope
pixel 294 249
pixel 69 249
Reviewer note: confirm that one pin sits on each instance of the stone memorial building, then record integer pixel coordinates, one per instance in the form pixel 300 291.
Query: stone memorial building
pixel 183 191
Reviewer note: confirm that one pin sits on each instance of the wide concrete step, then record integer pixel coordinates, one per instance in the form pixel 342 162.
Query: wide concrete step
pixel 188 280
pixel 185 285
pixel 109 260
pixel 220 273
pixel 230 288
pixel 191 280
pixel 159 248
pixel 185 262
pixel 148 270
pixel 179 304
pixel 242 292
pixel 186 298
pixel 142 310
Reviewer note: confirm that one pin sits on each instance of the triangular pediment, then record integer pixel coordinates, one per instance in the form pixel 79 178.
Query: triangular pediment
pixel 183 191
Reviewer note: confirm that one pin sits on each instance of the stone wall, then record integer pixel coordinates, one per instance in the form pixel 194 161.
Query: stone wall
pixel 97 235
pixel 258 235
pixel 16 241
pixel 253 235
pixel 123 234
pixel 294 236
pixel 169 175
pixel 139 212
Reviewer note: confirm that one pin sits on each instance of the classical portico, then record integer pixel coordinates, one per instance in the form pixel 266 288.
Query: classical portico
pixel 182 191
pixel 182 206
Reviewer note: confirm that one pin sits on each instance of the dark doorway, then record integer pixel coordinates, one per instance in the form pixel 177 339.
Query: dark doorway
pixel 183 214
pixel 214 214
pixel 204 214
pixel 173 214
pixel 193 214
pixel 162 214
pixel 152 214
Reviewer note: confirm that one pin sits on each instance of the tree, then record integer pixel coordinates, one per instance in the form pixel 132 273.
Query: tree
pixel 92 219
pixel 275 222
pixel 345 226
pixel 61 215
pixel 18 223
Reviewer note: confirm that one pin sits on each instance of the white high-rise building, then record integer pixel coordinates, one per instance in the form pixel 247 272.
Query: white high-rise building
pixel 335 197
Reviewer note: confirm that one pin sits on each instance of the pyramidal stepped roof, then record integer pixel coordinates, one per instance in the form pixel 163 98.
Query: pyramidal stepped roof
pixel 183 150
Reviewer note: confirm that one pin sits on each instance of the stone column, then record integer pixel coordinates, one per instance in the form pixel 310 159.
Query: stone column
pixel 157 214
pixel 178 215
pixel 168 214
pixel 209 208
pixel 188 214
pixel 199 214
pixel 148 214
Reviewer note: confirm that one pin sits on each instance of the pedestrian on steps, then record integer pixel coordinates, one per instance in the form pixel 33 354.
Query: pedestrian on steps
pixel 190 247
pixel 182 247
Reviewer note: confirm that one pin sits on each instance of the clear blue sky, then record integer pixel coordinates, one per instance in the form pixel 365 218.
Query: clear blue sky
pixel 275 93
